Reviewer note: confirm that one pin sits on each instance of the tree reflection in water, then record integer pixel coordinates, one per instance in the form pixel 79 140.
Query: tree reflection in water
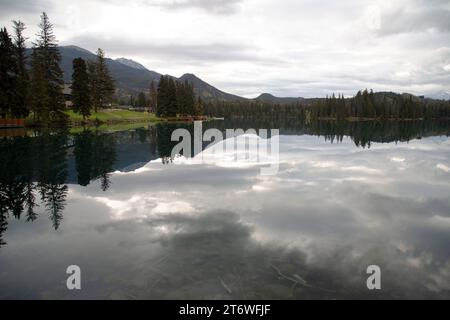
pixel 95 155
pixel 34 169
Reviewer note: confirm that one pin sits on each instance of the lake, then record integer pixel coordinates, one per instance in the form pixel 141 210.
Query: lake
pixel 142 225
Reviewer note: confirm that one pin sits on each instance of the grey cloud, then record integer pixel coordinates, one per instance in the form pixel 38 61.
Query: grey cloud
pixel 221 7
pixel 213 6
pixel 418 17
pixel 8 7
pixel 181 255
pixel 199 53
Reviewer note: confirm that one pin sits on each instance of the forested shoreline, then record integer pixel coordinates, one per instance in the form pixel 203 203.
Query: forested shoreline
pixel 33 87
pixel 365 105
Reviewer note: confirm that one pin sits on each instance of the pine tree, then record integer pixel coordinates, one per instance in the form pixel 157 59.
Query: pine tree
pixel 199 108
pixel 141 100
pixel 93 85
pixel 47 76
pixel 371 111
pixel 162 101
pixel 80 88
pixel 153 97
pixel 172 105
pixel 189 99
pixel 181 98
pixel 101 82
pixel 38 96
pixel 343 109
pixel 21 108
pixel 7 74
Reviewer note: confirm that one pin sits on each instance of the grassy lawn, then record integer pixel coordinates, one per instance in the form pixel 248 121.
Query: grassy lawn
pixel 112 127
pixel 110 117
pixel 114 115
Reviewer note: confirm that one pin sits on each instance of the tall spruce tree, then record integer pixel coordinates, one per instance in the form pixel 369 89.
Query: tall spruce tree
pixel 181 97
pixel 8 72
pixel 141 100
pixel 47 76
pixel 199 108
pixel 21 108
pixel 153 100
pixel 162 100
pixel 93 85
pixel 39 97
pixel 172 104
pixel 190 98
pixel 185 98
pixel 102 84
pixel 80 88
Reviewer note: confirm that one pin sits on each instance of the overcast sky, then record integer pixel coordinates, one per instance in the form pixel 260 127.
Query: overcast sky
pixel 246 47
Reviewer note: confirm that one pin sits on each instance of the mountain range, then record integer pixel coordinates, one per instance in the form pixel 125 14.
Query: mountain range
pixel 132 77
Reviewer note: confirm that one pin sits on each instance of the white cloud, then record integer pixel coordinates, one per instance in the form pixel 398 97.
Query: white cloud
pixel 443 167
pixel 288 47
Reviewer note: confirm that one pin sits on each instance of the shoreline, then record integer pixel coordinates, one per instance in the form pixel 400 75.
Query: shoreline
pixel 109 117
pixel 152 119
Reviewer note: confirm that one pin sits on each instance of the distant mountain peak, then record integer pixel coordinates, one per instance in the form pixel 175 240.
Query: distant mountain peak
pixel 77 49
pixel 268 97
pixel 265 95
pixel 132 77
pixel 131 63
pixel 189 76
pixel 207 91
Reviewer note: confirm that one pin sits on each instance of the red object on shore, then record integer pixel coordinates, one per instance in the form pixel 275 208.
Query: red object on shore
pixel 12 123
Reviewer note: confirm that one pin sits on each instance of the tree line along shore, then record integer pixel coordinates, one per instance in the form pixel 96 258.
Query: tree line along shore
pixel 33 91
pixel 364 106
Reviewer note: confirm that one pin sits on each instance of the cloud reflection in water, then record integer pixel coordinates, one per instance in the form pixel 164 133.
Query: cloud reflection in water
pixel 205 230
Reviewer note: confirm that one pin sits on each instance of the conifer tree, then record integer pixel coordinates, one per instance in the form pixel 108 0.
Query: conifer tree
pixel 80 88
pixel 47 77
pixel 141 100
pixel 21 107
pixel 174 98
pixel 39 97
pixel 104 79
pixel 7 73
pixel 93 85
pixel 153 100
pixel 172 105
pixel 199 108
pixel 162 100
pixel 181 98
pixel 189 99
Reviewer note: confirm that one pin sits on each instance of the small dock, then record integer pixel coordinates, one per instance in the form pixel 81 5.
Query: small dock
pixel 12 123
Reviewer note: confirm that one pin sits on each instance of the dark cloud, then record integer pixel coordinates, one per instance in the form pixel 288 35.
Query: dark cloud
pixel 8 7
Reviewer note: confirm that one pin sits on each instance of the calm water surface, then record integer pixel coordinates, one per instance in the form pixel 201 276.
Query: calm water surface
pixel 141 226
